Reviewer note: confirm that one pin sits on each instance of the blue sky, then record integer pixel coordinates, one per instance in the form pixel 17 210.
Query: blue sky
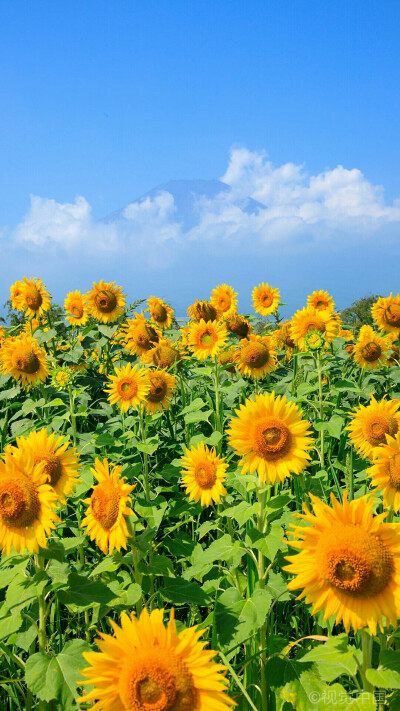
pixel 107 100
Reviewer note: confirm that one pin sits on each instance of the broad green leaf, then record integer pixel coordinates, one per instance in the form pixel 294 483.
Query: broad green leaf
pixel 83 593
pixel 56 677
pixel 387 675
pixel 334 658
pixel 178 591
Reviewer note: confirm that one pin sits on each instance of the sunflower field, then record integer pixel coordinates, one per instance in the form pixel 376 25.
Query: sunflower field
pixel 198 515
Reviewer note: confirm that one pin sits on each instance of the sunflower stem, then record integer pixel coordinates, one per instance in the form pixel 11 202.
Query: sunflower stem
pixel 366 644
pixel 72 414
pixel 321 408
pixel 136 572
pixel 217 403
pixel 42 622
pixel 142 428
pixel 351 479
pixel 261 582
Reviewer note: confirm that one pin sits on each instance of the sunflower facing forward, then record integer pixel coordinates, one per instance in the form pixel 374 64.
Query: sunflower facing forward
pixel 128 387
pixel 271 437
pixel 162 387
pixel 371 350
pixel 386 314
pixel 106 301
pixel 146 666
pixel 255 356
pixel 76 308
pixel 207 338
pixel 224 300
pixel 24 360
pixel 371 424
pixel 266 299
pixel 160 312
pixel 204 473
pixel 385 472
pixel 16 295
pixel 321 301
pixel 310 319
pixel 107 508
pixel 348 564
pixel 27 505
pixel 34 300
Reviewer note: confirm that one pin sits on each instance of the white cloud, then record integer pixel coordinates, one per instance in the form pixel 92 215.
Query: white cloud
pixel 294 207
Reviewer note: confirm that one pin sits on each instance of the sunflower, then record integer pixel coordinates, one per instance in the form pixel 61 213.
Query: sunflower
pixel 255 356
pixel 321 301
pixel 146 666
pixel 160 312
pixel 386 314
pixel 24 360
pixel 309 319
pixel 271 436
pixel 106 301
pixel 107 508
pixel 61 462
pixel 371 424
pixel 385 472
pixel 128 387
pixel 349 563
pixel 207 338
pixel 163 355
pixel 202 310
pixel 27 504
pixel 346 334
pixel 34 300
pixel 76 308
pixel 162 387
pixel 139 335
pixel 239 325
pixel 227 358
pixel 283 340
pixel 224 300
pixel 203 474
pixel 371 350
pixel 265 299
pixel 16 295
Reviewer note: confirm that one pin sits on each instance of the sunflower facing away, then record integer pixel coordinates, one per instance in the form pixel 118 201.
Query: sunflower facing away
pixel 266 299
pixel 106 301
pixel 24 360
pixel 107 508
pixel 224 300
pixel 76 308
pixel 271 437
pixel 255 356
pixel 61 462
pixel 239 325
pixel 164 354
pixel 203 474
pixel 162 387
pixel 202 310
pixel 283 339
pixel 27 505
pixel 139 336
pixel 371 350
pixel 161 313
pixel 146 666
pixel 227 359
pixel 349 563
pixel 310 319
pixel 35 300
pixel 386 314
pixel 385 472
pixel 207 338
pixel 321 301
pixel 128 387
pixel 371 424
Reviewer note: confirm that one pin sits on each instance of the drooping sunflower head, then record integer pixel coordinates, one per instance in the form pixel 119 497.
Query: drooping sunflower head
pixel 24 360
pixel 310 319
pixel 106 301
pixel 16 295
pixel 34 300
pixel 207 338
pixel 203 474
pixel 160 312
pixel 162 387
pixel 271 436
pixel 386 314
pixel 128 387
pixel 146 666
pixel 107 507
pixel 370 425
pixel 202 310
pixel 371 350
pixel 266 299
pixel 27 504
pixel 348 564
pixel 76 308
pixel 239 325
pixel 385 472
pixel 224 300
pixel 165 354
pixel 227 359
pixel 59 458
pixel 255 356
pixel 321 301
pixel 283 339
pixel 140 336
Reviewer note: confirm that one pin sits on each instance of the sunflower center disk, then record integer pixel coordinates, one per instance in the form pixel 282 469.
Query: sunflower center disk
pixel 146 336
pixel 392 315
pixel 354 561
pixel 378 427
pixel 154 682
pixel 266 300
pixel 371 351
pixel 205 475
pixel 105 505
pixel 26 362
pixel 127 389
pixel 206 338
pixel 315 326
pixel 272 439
pixel 158 390
pixel 394 471
pixel 105 301
pixel 52 468
pixel 34 299
pixel 255 355
pixel 19 502
pixel 77 311
pixel 159 313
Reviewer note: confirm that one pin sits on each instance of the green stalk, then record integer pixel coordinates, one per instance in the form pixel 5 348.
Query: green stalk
pixel 366 644
pixel 42 623
pixel 351 482
pixel 321 409
pixel 217 403
pixel 261 582
pixel 72 414
pixel 137 574
pixel 142 428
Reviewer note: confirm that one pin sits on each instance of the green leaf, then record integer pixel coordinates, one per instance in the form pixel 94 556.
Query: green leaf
pixel 334 658
pixel 179 592
pixel 387 675
pixel 335 426
pixel 269 542
pixel 241 513
pixel 83 593
pixel 10 393
pixel 9 624
pixel 56 677
pixel 237 619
